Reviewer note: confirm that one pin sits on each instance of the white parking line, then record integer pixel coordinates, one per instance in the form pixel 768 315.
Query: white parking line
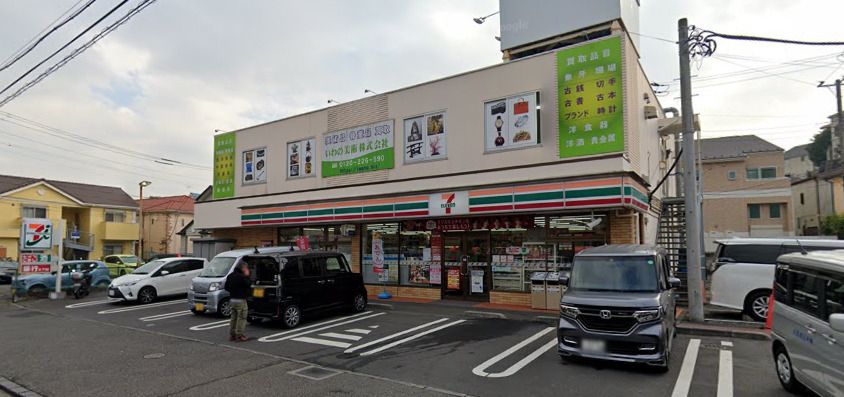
pixel 165 316
pixel 726 343
pixel 341 336
pixel 725 374
pixel 325 342
pixel 317 327
pixel 359 331
pixel 393 336
pixel 687 370
pixel 207 326
pixel 480 370
pixel 91 303
pixel 410 338
pixel 142 307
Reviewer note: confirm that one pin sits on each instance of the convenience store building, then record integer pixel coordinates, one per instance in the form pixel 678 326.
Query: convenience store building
pixel 459 188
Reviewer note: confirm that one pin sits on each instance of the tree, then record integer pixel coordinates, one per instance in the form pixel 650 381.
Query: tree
pixel 818 147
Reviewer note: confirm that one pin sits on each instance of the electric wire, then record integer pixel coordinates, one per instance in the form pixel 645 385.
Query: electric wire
pixel 16 52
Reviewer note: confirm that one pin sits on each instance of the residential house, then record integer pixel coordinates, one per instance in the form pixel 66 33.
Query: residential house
pixel 745 190
pixel 100 219
pixel 187 236
pixel 164 217
pixel 813 201
pixel 798 165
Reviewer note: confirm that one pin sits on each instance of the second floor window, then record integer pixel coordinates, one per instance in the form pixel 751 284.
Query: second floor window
pixel 761 173
pixel 34 212
pixel 115 216
pixel 731 175
pixel 754 211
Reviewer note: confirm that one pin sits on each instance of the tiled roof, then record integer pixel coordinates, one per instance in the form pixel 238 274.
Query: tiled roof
pixel 182 204
pixel 734 147
pixel 797 151
pixel 85 193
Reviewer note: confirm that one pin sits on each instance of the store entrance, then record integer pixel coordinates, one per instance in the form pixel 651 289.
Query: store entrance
pixel 466 264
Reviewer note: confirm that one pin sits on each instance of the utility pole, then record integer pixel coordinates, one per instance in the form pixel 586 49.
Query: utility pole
pixel 839 121
pixel 690 186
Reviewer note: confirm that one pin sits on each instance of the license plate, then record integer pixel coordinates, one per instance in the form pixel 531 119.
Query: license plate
pixel 199 307
pixel 258 292
pixel 593 346
pixel 111 293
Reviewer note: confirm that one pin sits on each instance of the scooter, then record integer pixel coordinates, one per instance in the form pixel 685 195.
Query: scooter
pixel 81 284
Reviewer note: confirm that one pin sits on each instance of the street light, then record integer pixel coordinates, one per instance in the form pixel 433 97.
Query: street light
pixel 141 185
pixel 368 91
pixel 330 101
pixel 481 20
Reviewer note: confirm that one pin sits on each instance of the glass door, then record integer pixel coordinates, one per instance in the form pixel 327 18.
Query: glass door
pixel 454 270
pixel 466 264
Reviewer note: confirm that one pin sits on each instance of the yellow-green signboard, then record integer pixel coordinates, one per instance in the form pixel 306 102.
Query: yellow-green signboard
pixel 591 98
pixel 224 165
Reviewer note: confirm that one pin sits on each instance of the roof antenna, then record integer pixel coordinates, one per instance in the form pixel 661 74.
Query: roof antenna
pixel 802 249
pixel 256 250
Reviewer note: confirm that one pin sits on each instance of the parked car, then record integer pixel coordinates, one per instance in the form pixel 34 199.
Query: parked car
pixel 40 284
pixel 163 256
pixel 206 293
pixel 743 271
pixel 169 276
pixel 619 305
pixel 119 265
pixel 8 269
pixel 289 285
pixel 808 322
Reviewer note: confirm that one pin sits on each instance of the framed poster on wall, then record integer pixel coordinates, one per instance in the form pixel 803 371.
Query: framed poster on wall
pixel 425 137
pixel 301 158
pixel 254 166
pixel 512 122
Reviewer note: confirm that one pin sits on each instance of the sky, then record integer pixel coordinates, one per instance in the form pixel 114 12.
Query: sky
pixel 160 85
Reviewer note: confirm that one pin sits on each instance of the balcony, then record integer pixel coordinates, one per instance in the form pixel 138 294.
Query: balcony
pixel 121 231
pixel 79 240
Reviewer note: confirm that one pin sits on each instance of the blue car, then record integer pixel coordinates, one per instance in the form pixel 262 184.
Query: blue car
pixel 40 284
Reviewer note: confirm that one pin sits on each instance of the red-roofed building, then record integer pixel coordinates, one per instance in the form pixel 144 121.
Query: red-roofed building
pixel 164 217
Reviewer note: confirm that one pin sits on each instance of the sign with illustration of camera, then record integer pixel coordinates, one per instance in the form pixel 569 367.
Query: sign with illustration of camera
pixel 424 137
pixel 512 122
pixel 360 149
pixel 301 159
pixel 255 166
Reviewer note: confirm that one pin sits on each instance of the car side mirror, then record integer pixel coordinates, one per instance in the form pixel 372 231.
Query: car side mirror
pixel 836 322
pixel 164 272
pixel 564 281
pixel 674 282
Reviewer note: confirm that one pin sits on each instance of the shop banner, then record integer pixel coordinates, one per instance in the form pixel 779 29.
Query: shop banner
pixel 377 253
pixel 36 263
pixel 453 278
pixel 436 274
pixel 37 234
pixel 255 166
pixel 512 122
pixel 224 165
pixel 424 137
pixel 303 243
pixel 300 158
pixel 591 98
pixel 361 149
pixel 436 247
pixel 477 281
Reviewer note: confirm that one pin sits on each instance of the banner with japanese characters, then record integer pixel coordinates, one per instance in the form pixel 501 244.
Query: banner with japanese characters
pixel 591 98
pixel 424 137
pixel 224 145
pixel 360 149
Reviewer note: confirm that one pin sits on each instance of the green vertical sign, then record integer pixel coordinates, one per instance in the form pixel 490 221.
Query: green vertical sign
pixel 224 165
pixel 591 98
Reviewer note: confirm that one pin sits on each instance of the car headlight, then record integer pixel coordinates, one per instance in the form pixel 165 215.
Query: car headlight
pixel 569 311
pixel 129 284
pixel 191 287
pixel 644 316
pixel 213 287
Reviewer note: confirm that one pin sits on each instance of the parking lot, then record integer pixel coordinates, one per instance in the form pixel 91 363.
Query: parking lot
pixel 446 348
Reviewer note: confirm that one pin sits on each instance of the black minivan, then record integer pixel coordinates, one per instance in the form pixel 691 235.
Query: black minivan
pixel 287 285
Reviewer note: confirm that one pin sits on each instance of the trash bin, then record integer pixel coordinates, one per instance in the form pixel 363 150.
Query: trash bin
pixel 537 290
pixel 553 291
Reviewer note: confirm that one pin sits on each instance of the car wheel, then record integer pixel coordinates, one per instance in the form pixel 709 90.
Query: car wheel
pixel 785 372
pixel 37 290
pixel 224 308
pixel 756 305
pixel 121 272
pixel 359 303
pixel 292 316
pixel 146 295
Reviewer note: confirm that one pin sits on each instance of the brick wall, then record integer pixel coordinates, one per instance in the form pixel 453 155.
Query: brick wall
pixel 510 298
pixel 405 292
pixel 356 254
pixel 624 229
pixel 248 237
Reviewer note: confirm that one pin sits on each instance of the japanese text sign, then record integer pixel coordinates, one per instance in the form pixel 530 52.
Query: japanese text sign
pixel 224 165
pixel 360 149
pixel 591 98
pixel 36 263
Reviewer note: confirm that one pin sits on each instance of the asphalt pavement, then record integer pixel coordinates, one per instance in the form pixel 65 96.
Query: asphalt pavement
pixel 98 347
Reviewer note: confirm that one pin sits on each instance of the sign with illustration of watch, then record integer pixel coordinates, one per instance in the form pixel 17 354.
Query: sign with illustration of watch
pixel 512 122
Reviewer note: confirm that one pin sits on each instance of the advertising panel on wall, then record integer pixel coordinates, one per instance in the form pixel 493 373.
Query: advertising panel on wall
pixel 360 149
pixel 512 122
pixel 301 158
pixel 591 98
pixel 224 165
pixel 254 166
pixel 425 137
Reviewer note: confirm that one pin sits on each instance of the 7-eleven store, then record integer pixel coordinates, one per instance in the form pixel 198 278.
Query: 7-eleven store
pixel 473 219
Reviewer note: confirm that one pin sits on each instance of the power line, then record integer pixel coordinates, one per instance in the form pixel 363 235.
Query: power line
pixel 653 37
pixel 44 36
pixel 774 40
pixel 765 72
pixel 16 52
pixel 769 128
pixel 757 77
pixel 62 48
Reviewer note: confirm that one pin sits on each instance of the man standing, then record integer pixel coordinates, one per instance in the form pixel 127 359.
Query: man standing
pixel 238 284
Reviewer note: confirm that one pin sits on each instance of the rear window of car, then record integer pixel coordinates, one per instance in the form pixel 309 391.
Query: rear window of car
pixel 751 253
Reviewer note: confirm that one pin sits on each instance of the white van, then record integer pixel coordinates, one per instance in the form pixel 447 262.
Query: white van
pixel 743 272
pixel 808 322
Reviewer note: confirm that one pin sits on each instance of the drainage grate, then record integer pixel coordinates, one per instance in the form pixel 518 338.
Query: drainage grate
pixel 314 373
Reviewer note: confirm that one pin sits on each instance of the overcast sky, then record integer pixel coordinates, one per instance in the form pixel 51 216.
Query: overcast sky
pixel 161 84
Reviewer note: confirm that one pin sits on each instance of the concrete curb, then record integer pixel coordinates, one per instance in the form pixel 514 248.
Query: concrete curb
pixel 688 329
pixel 16 389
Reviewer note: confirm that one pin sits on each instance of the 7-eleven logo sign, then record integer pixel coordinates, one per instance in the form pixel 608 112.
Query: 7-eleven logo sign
pixel 453 203
pixel 37 234
pixel 448 202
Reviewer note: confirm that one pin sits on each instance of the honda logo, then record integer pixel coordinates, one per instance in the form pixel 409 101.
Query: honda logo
pixel 606 314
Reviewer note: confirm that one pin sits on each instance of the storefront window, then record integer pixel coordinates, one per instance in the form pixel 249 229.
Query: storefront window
pixel 340 240
pixel 388 233
pixel 572 234
pixel 287 236
pixel 517 253
pixel 316 237
pixel 417 267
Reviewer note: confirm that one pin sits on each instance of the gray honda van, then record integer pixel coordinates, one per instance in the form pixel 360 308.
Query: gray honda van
pixel 619 306
pixel 206 293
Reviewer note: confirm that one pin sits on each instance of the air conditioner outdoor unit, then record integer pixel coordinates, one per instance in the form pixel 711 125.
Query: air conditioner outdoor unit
pixel 650 112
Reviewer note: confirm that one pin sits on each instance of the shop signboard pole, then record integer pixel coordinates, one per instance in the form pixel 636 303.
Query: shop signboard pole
pixel 57 294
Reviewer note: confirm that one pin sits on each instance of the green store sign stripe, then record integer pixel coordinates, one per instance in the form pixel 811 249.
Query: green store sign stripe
pixel 348 210
pixel 540 196
pixel 599 192
pixel 320 212
pixel 378 208
pixel 412 206
pixel 490 200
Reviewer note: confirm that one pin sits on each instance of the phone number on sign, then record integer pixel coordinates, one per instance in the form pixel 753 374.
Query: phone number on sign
pixel 367 162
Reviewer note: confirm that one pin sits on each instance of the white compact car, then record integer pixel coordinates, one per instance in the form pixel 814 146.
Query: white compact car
pixel 743 272
pixel 162 277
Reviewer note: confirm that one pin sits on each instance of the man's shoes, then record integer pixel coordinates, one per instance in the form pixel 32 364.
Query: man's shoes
pixel 232 338
pixel 242 338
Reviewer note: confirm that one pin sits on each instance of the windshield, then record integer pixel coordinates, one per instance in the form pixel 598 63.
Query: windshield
pixel 218 267
pixel 614 274
pixel 148 268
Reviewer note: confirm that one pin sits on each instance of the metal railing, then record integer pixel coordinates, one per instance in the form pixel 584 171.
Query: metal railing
pixel 79 240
